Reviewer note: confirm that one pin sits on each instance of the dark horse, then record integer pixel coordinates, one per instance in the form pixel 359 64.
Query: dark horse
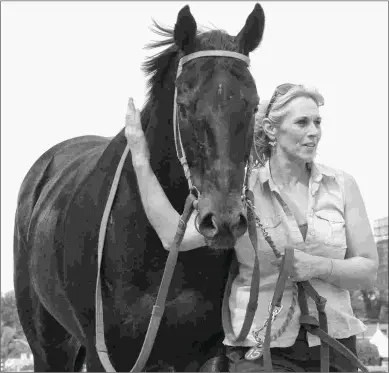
pixel 63 196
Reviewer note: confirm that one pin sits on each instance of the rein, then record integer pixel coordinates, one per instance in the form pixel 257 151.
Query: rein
pixel 159 306
pixel 191 203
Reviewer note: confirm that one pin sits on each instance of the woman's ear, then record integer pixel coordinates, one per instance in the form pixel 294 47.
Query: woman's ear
pixel 270 129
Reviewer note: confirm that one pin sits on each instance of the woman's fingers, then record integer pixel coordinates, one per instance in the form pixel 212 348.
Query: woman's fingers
pixel 132 115
pixel 131 105
pixel 135 135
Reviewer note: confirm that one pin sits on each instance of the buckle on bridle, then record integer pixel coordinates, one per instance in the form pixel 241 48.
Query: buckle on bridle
pixel 196 194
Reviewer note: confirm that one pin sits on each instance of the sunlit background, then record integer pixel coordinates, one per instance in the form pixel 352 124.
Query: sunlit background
pixel 68 68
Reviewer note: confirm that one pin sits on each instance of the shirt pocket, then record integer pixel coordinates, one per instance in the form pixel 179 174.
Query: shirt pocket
pixel 330 227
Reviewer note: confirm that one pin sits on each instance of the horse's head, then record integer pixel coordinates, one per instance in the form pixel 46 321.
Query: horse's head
pixel 216 104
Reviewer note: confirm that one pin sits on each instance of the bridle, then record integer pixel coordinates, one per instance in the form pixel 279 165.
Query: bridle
pixel 176 125
pixel 191 204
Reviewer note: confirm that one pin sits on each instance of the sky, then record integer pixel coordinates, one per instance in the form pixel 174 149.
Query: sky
pixel 68 69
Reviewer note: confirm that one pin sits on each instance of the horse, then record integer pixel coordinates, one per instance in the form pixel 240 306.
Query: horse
pixel 62 198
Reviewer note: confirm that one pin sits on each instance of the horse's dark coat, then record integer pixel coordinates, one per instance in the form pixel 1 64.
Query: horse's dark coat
pixel 60 205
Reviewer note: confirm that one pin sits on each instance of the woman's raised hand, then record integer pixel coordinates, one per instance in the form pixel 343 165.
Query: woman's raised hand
pixel 135 135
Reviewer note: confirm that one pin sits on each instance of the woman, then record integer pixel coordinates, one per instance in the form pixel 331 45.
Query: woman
pixel 315 209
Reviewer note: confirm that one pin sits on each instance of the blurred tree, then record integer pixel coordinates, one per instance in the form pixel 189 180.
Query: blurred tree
pixel 371 304
pixel 13 340
pixel 368 353
pixel 7 335
pixel 9 313
pixel 358 305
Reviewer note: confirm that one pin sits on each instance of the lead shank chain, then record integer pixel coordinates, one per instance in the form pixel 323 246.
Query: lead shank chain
pixel 277 310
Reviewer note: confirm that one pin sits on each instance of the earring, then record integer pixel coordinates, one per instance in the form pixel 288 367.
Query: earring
pixel 273 143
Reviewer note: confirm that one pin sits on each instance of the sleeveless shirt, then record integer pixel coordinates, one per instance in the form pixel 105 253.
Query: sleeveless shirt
pixel 325 236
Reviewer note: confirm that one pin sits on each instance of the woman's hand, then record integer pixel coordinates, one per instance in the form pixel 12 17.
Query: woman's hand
pixel 135 136
pixel 161 214
pixel 307 266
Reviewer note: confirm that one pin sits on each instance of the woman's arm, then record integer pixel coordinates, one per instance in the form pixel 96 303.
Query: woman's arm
pixel 161 214
pixel 359 268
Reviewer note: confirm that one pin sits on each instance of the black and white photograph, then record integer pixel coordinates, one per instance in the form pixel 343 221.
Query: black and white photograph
pixel 194 186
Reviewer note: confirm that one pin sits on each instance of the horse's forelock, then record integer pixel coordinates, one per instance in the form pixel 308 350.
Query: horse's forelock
pixel 156 66
pixel 161 67
pixel 217 39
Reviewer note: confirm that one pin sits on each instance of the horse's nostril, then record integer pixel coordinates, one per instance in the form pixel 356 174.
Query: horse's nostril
pixel 240 227
pixel 243 220
pixel 208 226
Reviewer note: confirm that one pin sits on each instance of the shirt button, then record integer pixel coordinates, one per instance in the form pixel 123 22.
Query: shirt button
pixel 312 233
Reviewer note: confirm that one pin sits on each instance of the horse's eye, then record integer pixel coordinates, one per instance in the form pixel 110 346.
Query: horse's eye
pixel 256 110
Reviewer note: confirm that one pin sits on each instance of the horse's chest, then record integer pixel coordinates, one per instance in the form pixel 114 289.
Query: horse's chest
pixel 187 307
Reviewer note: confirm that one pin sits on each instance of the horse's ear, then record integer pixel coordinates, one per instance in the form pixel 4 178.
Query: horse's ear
pixel 185 30
pixel 251 34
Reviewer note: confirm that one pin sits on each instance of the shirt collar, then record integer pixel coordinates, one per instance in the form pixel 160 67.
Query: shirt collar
pixel 317 173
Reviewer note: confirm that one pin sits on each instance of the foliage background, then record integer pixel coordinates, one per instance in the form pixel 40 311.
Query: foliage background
pixel 371 306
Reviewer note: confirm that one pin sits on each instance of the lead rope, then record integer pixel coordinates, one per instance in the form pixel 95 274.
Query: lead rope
pixel 159 306
pixel 258 350
pixel 190 204
pixel 99 318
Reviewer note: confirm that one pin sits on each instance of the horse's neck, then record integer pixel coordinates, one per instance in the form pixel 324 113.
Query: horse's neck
pixel 163 157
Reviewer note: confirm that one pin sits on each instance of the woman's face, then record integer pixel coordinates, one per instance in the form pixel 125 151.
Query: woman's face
pixel 300 132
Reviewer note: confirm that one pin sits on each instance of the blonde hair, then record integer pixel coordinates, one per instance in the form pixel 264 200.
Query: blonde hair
pixel 261 147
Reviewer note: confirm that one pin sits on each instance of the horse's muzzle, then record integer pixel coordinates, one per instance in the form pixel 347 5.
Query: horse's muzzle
pixel 222 226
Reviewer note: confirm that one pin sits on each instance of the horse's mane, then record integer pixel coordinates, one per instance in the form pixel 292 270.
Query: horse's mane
pixel 158 66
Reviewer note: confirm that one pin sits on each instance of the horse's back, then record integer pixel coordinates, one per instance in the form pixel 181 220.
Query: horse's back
pixel 74 157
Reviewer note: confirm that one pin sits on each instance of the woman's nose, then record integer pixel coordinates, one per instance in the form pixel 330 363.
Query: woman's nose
pixel 313 129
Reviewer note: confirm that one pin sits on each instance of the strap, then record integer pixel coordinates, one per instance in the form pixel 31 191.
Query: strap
pixel 319 328
pixel 306 319
pixel 211 53
pixel 99 316
pixel 178 143
pixel 335 344
pixel 159 307
pixel 254 287
pixel 177 133
pixel 285 270
pixel 298 215
pixel 323 324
